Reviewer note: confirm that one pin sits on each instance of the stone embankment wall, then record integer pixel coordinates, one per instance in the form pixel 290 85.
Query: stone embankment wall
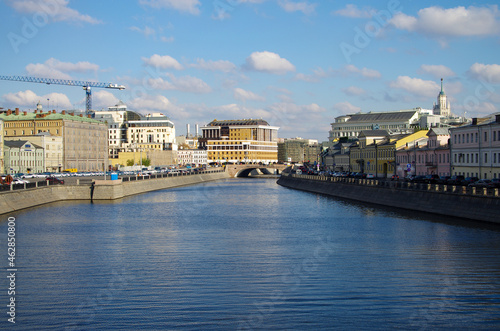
pixel 444 201
pixel 11 201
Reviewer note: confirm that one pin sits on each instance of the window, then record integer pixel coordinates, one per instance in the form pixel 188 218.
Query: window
pixel 486 136
pixel 485 157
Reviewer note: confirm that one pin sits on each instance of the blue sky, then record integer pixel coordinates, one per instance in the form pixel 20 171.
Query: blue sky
pixel 297 64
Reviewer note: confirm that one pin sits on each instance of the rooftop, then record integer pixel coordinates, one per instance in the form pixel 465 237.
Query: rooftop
pixel 403 115
pixel 238 122
pixel 40 115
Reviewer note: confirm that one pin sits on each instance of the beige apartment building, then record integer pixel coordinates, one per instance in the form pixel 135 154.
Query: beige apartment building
pixel 85 140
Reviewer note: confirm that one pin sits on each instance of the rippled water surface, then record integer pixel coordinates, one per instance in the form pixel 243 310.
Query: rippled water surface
pixel 249 254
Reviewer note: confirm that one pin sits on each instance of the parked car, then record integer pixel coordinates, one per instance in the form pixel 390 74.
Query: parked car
pixel 395 177
pixel 431 179
pixel 54 180
pixel 482 183
pixel 418 179
pixel 360 175
pixel 495 182
pixel 469 180
pixel 409 178
pixel 443 180
pixel 370 176
pixel 456 180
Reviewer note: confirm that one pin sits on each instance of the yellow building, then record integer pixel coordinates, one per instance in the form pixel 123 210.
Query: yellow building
pixel 235 141
pixel 85 140
pixel 376 151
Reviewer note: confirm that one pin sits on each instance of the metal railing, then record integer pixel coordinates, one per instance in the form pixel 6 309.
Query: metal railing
pixel 441 188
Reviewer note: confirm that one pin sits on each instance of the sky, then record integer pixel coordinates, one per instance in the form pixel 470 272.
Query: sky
pixel 296 64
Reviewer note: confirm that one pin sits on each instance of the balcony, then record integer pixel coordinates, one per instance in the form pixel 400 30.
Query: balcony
pixel 431 164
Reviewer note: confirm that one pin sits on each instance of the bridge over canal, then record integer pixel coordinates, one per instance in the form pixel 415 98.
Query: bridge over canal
pixel 244 170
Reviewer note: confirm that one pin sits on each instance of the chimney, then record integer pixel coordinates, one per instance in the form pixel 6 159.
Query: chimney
pixel 53 111
pixel 474 121
pixel 81 115
pixel 9 112
pixel 17 111
pixel 89 116
pixel 36 111
pixel 187 130
pixel 72 114
pixel 25 113
pixel 63 112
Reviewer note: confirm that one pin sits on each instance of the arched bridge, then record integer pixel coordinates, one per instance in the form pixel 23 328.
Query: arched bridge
pixel 243 170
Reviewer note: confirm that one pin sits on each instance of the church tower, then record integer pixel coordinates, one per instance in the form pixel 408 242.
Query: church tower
pixel 442 107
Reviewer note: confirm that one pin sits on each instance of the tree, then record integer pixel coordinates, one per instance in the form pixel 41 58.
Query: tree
pixel 130 162
pixel 146 162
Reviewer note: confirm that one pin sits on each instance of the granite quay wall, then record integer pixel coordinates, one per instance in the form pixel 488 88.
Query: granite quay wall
pixel 456 201
pixel 13 200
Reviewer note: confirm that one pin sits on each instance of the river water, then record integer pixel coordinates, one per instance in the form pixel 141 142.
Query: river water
pixel 248 254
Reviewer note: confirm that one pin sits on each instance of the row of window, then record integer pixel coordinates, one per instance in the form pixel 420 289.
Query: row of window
pixel 474 158
pixel 473 137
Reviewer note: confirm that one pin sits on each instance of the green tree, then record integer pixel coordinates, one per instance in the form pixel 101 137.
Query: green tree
pixel 146 162
pixel 130 162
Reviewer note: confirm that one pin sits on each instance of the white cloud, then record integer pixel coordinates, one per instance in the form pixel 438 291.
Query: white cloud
pixel 315 77
pixel 268 62
pixel 162 61
pixel 485 72
pixel 416 86
pixel 184 84
pixel 53 68
pixel 437 71
pixel 147 31
pixel 30 99
pixel 153 103
pixel 353 11
pixel 453 22
pixel 102 99
pixel 221 65
pixel 304 7
pixel 365 72
pixel 188 6
pixel 243 95
pixel 346 107
pixel 354 91
pixel 55 10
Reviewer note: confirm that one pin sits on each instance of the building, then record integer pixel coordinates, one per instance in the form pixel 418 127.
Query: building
pixel 337 157
pixel 298 150
pixel 350 126
pixel 116 118
pixel 85 140
pixel 197 157
pixel 53 148
pixel 475 148
pixel 2 165
pixel 247 140
pixel 442 107
pixel 22 156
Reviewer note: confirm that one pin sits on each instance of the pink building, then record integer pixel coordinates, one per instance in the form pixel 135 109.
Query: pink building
pixel 426 156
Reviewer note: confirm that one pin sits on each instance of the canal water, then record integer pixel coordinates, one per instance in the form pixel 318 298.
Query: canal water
pixel 248 254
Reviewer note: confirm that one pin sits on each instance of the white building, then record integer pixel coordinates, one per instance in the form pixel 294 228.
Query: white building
pixel 192 156
pixel 52 146
pixel 442 107
pixel 22 156
pixel 351 125
pixel 154 131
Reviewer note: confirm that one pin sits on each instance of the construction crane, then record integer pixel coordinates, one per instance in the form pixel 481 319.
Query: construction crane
pixel 87 86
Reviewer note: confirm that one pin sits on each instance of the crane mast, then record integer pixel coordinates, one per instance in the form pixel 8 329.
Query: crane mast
pixel 87 86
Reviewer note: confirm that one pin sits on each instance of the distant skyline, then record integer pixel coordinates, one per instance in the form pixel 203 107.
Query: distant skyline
pixel 296 64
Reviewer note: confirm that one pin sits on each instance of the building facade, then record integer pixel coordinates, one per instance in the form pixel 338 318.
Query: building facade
pixel 298 150
pixel 152 131
pixel 350 126
pixel 85 140
pixel 2 164
pixel 53 149
pixel 197 157
pixel 234 141
pixel 475 148
pixel 22 156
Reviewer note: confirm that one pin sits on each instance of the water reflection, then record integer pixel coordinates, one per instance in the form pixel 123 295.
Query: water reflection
pixel 249 254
